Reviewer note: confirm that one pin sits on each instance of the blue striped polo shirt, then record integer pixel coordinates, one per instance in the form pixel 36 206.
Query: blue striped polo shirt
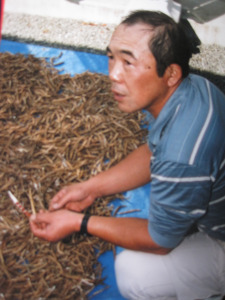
pixel 187 141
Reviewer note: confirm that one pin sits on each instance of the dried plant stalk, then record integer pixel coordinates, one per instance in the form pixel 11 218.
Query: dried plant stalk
pixel 55 130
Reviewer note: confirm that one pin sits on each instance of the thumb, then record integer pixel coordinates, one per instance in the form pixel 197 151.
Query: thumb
pixel 63 197
pixel 39 223
pixel 40 217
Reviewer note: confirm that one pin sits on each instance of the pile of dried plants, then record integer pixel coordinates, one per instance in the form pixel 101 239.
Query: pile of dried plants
pixel 55 130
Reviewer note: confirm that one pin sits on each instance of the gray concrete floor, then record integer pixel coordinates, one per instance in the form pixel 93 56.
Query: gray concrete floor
pixel 211 13
pixel 37 23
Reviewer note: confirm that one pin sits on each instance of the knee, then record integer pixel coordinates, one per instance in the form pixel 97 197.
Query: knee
pixel 125 275
pixel 143 276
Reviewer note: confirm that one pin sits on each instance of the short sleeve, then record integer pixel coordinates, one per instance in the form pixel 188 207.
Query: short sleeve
pixel 179 197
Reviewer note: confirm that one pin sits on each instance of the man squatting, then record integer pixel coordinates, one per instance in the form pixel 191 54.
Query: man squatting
pixel 184 158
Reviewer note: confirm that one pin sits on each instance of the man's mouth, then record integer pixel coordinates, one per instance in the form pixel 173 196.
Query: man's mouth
pixel 117 95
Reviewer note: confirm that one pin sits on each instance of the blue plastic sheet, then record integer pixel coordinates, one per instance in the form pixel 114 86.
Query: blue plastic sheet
pixel 74 62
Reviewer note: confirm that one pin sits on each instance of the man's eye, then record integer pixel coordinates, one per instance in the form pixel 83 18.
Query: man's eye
pixel 110 56
pixel 127 62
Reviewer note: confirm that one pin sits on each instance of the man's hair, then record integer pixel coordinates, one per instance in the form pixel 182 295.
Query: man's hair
pixel 169 43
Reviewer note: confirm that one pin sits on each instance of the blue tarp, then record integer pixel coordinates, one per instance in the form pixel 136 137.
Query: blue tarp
pixel 74 62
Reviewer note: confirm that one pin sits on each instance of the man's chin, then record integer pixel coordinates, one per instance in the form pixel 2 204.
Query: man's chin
pixel 125 108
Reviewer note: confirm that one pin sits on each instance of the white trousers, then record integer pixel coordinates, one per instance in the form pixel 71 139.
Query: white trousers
pixel 194 270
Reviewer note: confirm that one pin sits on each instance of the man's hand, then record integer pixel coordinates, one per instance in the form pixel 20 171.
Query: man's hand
pixel 54 226
pixel 74 197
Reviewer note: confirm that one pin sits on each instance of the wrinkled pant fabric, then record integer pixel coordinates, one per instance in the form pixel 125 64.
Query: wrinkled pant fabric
pixel 194 270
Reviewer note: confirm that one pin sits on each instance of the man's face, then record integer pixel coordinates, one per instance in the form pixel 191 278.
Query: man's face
pixel 132 70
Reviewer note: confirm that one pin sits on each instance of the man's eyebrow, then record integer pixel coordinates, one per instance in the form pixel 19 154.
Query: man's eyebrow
pixel 127 52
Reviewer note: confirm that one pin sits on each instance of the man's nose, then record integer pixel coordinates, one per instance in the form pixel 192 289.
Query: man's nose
pixel 115 72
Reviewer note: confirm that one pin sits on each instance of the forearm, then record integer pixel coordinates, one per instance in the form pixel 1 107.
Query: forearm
pixel 129 233
pixel 131 172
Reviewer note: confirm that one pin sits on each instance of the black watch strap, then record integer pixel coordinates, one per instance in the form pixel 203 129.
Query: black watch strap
pixel 83 228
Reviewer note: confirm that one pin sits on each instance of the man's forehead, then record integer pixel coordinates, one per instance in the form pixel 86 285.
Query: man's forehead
pixel 138 28
pixel 131 35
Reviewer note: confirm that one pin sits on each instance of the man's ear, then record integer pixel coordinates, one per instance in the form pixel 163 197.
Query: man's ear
pixel 174 74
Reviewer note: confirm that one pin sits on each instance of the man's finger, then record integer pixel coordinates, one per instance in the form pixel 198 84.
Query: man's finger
pixel 59 200
pixel 41 217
